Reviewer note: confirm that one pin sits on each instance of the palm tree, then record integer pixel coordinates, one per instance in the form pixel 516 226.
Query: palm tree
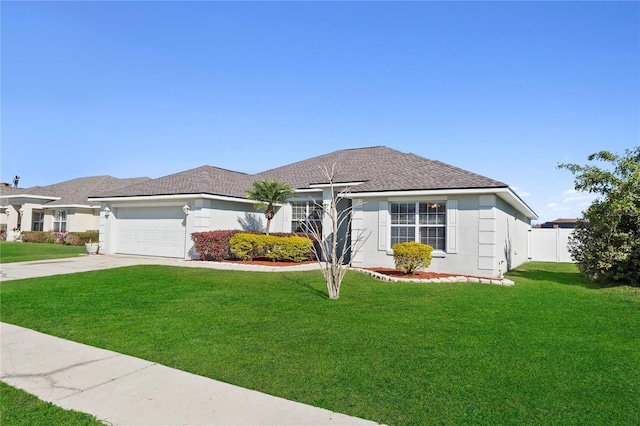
pixel 267 193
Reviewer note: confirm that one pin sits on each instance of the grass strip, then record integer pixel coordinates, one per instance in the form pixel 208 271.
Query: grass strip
pixel 19 408
pixel 25 252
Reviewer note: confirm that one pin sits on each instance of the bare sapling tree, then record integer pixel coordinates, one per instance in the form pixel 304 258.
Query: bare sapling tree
pixel 331 249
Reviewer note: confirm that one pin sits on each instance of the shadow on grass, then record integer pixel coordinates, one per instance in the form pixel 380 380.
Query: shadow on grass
pixel 306 285
pixel 560 277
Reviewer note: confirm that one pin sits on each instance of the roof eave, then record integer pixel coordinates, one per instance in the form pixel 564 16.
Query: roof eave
pixel 34 197
pixel 70 206
pixel 168 197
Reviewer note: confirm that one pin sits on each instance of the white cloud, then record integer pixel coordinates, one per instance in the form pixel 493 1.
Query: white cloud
pixel 573 196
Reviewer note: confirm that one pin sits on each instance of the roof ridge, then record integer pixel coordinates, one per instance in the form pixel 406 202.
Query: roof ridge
pixel 321 155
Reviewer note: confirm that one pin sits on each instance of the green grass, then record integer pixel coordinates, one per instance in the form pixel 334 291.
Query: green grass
pixel 18 408
pixel 24 252
pixel 550 350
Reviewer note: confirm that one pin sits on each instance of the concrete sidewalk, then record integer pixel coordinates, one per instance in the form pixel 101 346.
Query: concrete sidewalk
pixel 41 268
pixel 123 390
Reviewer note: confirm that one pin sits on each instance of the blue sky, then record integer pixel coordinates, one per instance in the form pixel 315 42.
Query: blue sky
pixel 504 89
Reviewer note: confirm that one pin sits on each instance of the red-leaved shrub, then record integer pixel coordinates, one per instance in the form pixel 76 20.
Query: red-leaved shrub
pixel 213 245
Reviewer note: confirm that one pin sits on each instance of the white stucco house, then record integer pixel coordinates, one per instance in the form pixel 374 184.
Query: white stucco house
pixel 477 225
pixel 62 207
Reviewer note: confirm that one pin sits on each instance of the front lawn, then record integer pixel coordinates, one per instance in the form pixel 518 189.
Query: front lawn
pixel 550 350
pixel 24 252
pixel 18 408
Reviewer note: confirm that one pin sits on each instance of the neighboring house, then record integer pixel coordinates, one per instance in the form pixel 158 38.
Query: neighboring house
pixel 61 207
pixel 477 225
pixel 559 223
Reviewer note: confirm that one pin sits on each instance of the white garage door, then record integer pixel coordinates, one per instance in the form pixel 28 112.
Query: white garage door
pixel 151 231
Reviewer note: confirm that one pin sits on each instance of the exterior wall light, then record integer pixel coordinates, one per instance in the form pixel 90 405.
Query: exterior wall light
pixel 186 209
pixel 107 211
pixel 21 211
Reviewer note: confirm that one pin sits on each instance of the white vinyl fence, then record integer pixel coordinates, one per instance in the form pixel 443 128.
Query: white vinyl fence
pixel 550 245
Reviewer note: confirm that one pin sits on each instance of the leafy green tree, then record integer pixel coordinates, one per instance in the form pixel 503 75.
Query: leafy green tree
pixel 268 193
pixel 606 241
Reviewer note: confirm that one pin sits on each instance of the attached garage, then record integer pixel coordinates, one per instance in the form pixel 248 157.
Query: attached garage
pixel 151 231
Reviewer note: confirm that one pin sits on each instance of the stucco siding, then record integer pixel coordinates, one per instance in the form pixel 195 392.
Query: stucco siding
pixel 485 228
pixel 513 236
pixel 80 220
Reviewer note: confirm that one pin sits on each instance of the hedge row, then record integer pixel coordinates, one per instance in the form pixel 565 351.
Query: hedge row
pixel 289 249
pixel 216 245
pixel 213 245
pixel 67 238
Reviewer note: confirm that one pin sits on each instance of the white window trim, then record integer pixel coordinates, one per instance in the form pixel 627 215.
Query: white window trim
pixel 59 222
pixel 42 215
pixel 451 225
pixel 309 207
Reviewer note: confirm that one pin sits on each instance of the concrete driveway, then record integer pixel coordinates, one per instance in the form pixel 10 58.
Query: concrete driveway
pixel 42 268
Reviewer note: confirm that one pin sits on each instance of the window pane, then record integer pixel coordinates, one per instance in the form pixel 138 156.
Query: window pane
pixel 306 216
pixel 402 234
pixel 433 213
pixel 403 213
pixel 299 211
pixel 434 236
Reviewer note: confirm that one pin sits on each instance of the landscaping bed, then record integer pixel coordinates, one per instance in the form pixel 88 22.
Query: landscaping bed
pixel 394 275
pixel 265 262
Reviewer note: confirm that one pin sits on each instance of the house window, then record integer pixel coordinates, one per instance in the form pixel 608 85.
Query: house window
pixel 422 222
pixel 60 221
pixel 37 221
pixel 306 216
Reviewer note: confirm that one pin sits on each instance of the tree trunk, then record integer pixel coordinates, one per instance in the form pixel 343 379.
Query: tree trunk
pixel 269 213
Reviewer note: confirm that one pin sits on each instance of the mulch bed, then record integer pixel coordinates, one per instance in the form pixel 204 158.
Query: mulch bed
pixel 267 262
pixel 419 275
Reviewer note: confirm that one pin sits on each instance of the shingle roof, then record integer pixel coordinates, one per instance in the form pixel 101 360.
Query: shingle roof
pixel 74 191
pixel 380 168
pixel 8 190
pixel 202 180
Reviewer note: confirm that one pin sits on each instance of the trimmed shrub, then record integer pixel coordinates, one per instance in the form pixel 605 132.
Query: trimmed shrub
pixel 67 238
pixel 38 237
pixel 411 256
pixel 292 248
pixel 81 238
pixel 213 245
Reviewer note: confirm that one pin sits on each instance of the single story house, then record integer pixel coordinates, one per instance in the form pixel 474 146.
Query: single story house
pixel 61 207
pixel 477 225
